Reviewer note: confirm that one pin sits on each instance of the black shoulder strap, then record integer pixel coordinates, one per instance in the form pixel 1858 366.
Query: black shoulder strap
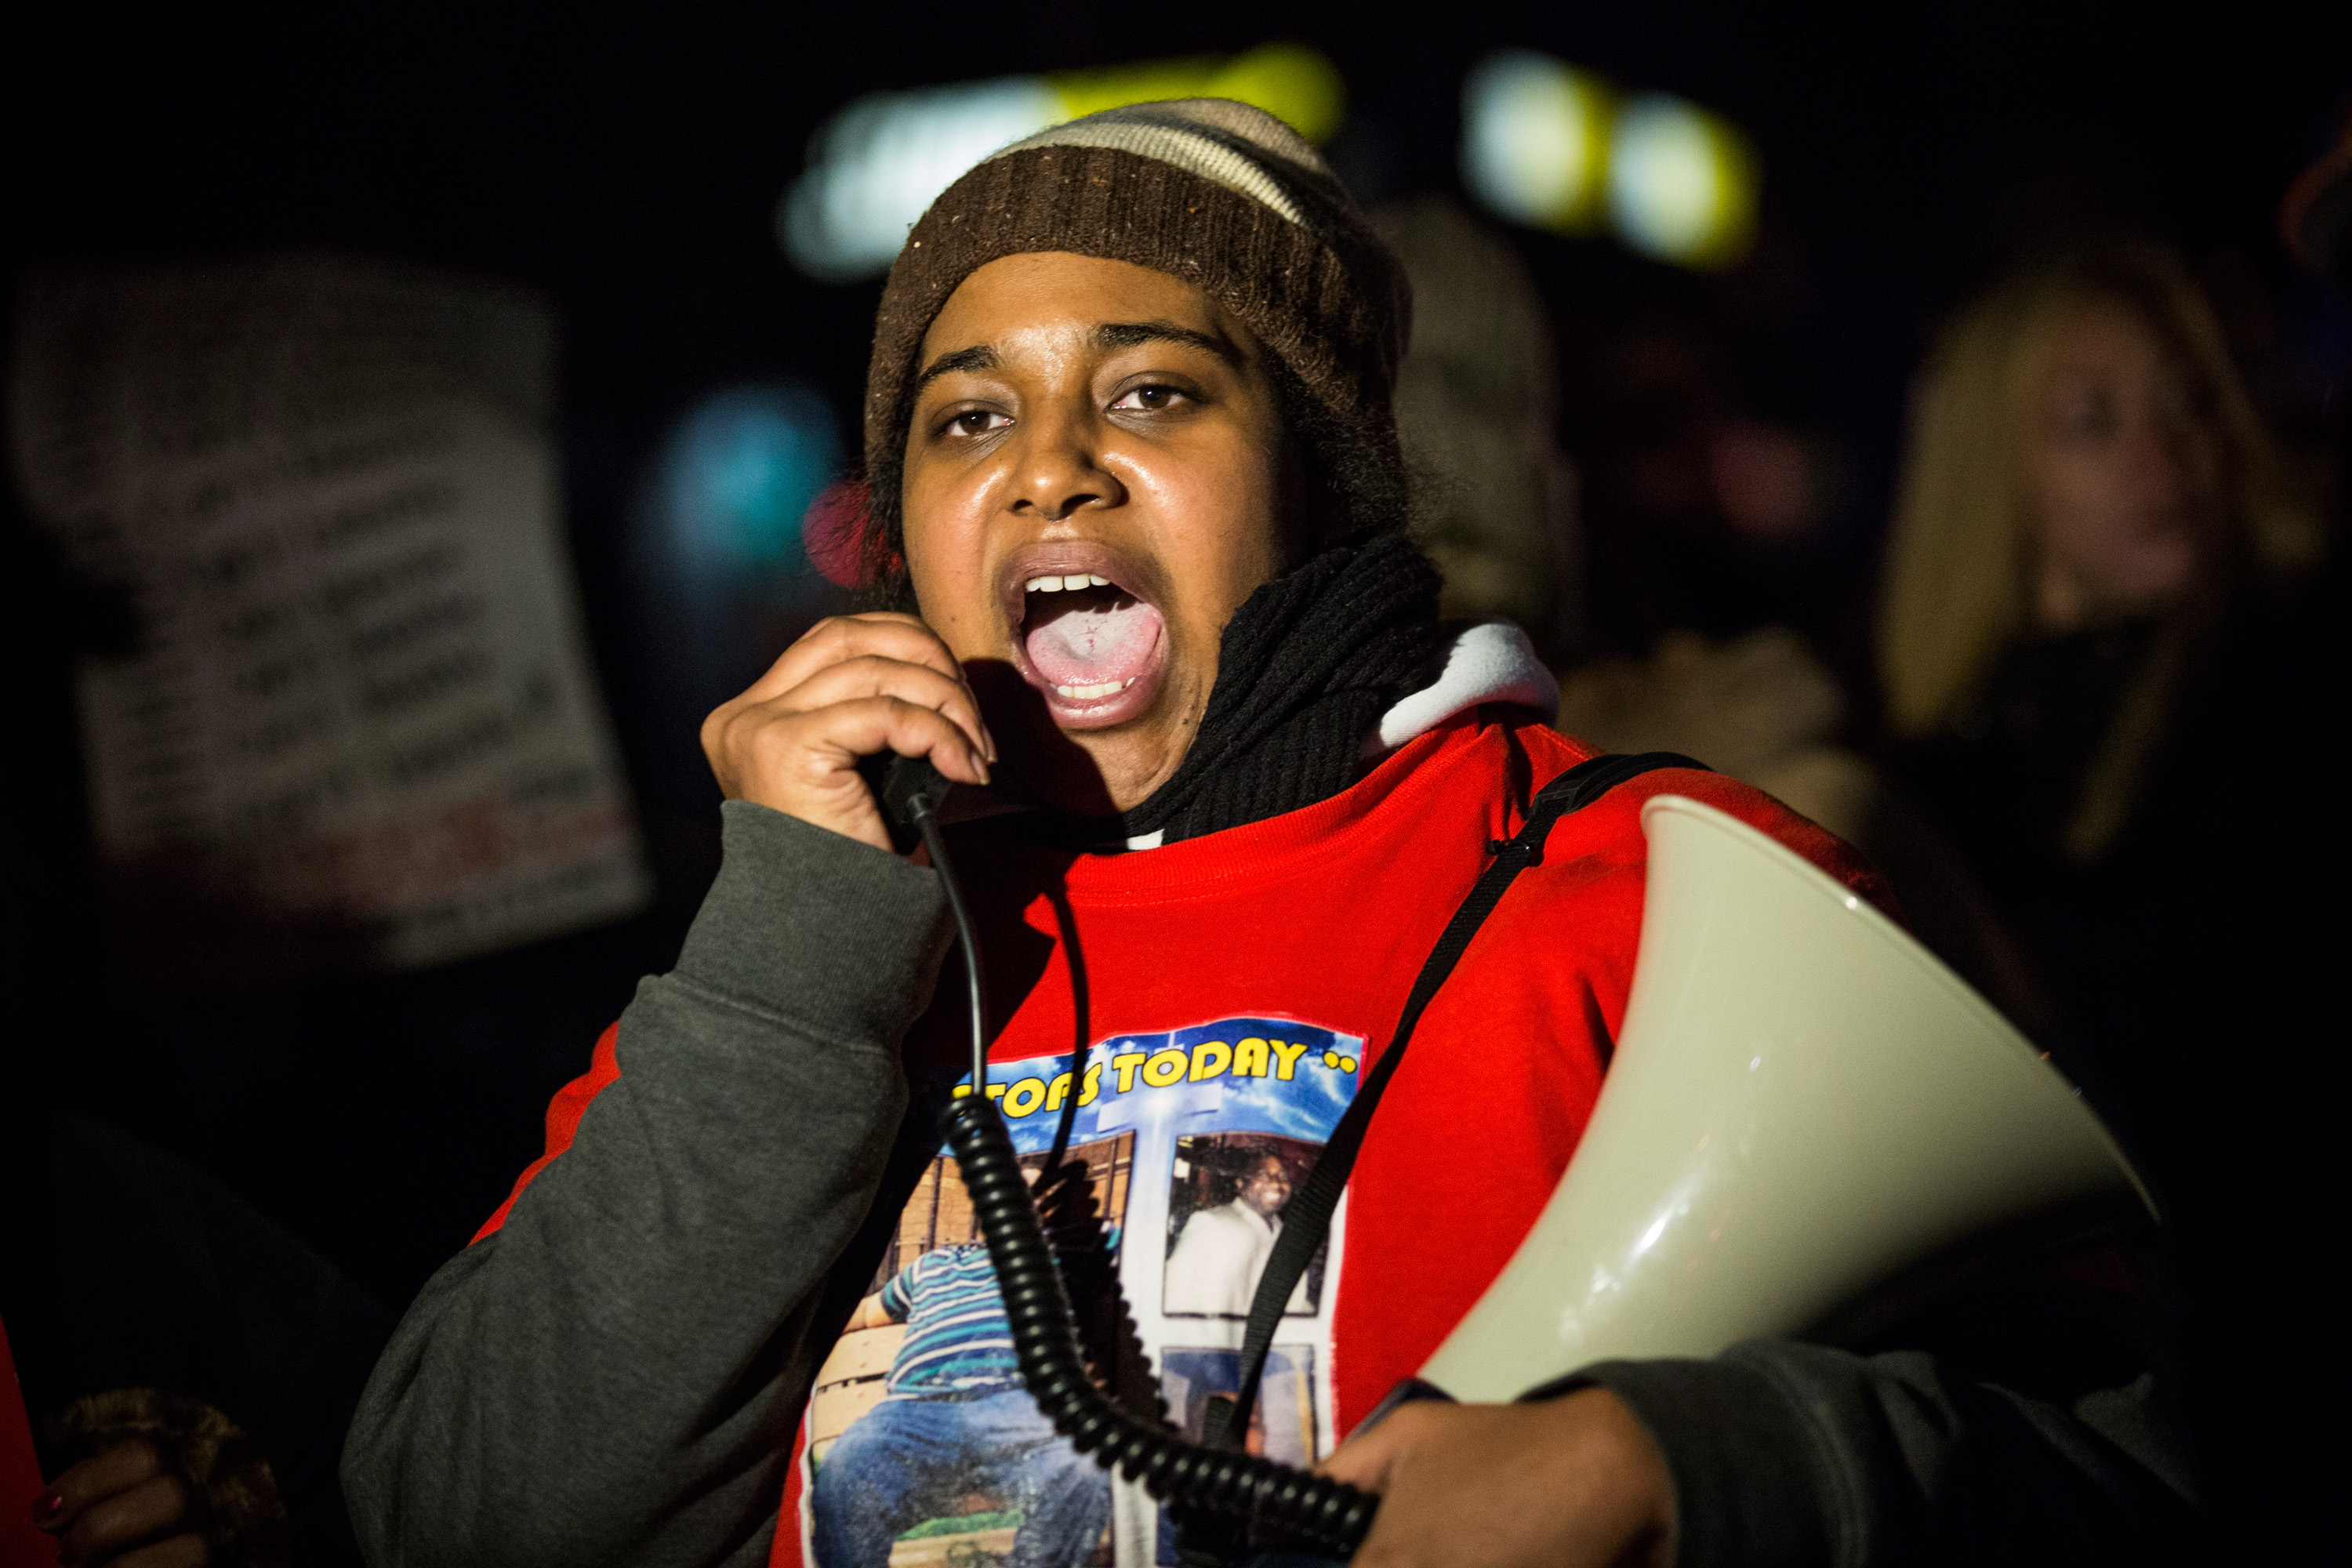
pixel 1306 1218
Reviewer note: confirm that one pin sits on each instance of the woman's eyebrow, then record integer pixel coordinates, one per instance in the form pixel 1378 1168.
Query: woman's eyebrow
pixel 1112 336
pixel 979 357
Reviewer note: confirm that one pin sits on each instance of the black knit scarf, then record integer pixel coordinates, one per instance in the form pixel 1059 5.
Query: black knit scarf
pixel 1305 670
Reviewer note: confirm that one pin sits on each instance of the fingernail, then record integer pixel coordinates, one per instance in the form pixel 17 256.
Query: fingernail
pixel 980 765
pixel 48 1506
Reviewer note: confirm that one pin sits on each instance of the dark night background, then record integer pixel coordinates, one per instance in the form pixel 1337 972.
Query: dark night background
pixel 627 166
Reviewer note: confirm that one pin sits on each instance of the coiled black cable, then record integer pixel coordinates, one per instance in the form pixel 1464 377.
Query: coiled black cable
pixel 1274 1501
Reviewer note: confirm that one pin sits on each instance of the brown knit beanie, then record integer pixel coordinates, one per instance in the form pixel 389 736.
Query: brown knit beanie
pixel 1218 193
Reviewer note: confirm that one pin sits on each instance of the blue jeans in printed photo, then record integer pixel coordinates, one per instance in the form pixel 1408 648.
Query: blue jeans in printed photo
pixel 909 1460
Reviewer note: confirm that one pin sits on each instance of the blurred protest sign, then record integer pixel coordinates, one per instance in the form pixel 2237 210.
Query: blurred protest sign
pixel 358 727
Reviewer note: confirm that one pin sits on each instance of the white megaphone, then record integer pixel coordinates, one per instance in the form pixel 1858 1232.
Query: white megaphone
pixel 1804 1102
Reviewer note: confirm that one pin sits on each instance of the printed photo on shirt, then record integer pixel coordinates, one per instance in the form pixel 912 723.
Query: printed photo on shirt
pixel 1225 1197
pixel 921 1447
pixel 940 1214
pixel 924 1444
pixel 1281 1424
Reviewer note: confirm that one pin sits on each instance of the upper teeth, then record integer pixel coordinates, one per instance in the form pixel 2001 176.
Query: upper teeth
pixel 1074 580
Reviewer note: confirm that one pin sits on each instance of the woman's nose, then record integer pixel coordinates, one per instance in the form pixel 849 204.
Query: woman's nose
pixel 1059 471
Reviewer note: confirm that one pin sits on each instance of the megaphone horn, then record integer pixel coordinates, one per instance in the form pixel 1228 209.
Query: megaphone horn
pixel 1804 1102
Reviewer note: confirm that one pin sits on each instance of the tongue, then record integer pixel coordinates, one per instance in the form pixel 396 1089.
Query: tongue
pixel 1091 644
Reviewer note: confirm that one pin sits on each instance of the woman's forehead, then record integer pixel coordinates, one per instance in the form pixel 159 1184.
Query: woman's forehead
pixel 1056 294
pixel 2093 323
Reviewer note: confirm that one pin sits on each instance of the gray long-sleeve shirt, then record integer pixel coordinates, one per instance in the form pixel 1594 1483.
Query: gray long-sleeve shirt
pixel 616 1376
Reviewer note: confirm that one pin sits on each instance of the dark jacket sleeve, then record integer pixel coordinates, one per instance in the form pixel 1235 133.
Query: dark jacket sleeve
pixel 616 1374
pixel 1784 1453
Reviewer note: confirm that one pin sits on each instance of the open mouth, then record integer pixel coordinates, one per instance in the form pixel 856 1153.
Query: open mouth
pixel 1093 648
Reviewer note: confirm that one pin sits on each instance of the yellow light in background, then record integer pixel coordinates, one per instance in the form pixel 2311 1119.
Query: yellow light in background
pixel 1296 85
pixel 1549 145
pixel 1535 140
pixel 1681 183
pixel 877 165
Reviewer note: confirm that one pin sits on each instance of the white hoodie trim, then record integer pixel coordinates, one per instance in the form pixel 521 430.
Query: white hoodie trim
pixel 1490 662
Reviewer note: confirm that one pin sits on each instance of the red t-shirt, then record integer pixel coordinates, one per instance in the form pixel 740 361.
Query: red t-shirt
pixel 1231 991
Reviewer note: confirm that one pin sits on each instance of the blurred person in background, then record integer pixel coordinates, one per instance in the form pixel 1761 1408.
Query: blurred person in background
pixel 1478 403
pixel 1705 524
pixel 1495 505
pixel 2088 586
pixel 2110 683
pixel 187 1369
pixel 1701 514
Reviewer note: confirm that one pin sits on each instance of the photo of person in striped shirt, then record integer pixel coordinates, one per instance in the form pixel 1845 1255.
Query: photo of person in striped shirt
pixel 954 1420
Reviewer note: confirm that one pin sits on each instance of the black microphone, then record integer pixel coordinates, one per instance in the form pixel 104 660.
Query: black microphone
pixel 912 789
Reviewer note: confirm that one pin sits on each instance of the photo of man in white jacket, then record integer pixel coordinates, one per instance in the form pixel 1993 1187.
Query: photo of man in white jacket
pixel 1214 1269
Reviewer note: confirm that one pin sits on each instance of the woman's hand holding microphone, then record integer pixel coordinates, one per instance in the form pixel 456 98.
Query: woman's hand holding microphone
pixel 851 687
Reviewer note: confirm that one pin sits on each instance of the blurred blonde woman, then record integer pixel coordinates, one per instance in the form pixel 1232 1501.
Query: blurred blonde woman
pixel 2086 490
pixel 2116 684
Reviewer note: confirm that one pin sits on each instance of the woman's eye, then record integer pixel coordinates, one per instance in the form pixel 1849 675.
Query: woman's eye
pixel 1150 399
pixel 975 421
pixel 2090 417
